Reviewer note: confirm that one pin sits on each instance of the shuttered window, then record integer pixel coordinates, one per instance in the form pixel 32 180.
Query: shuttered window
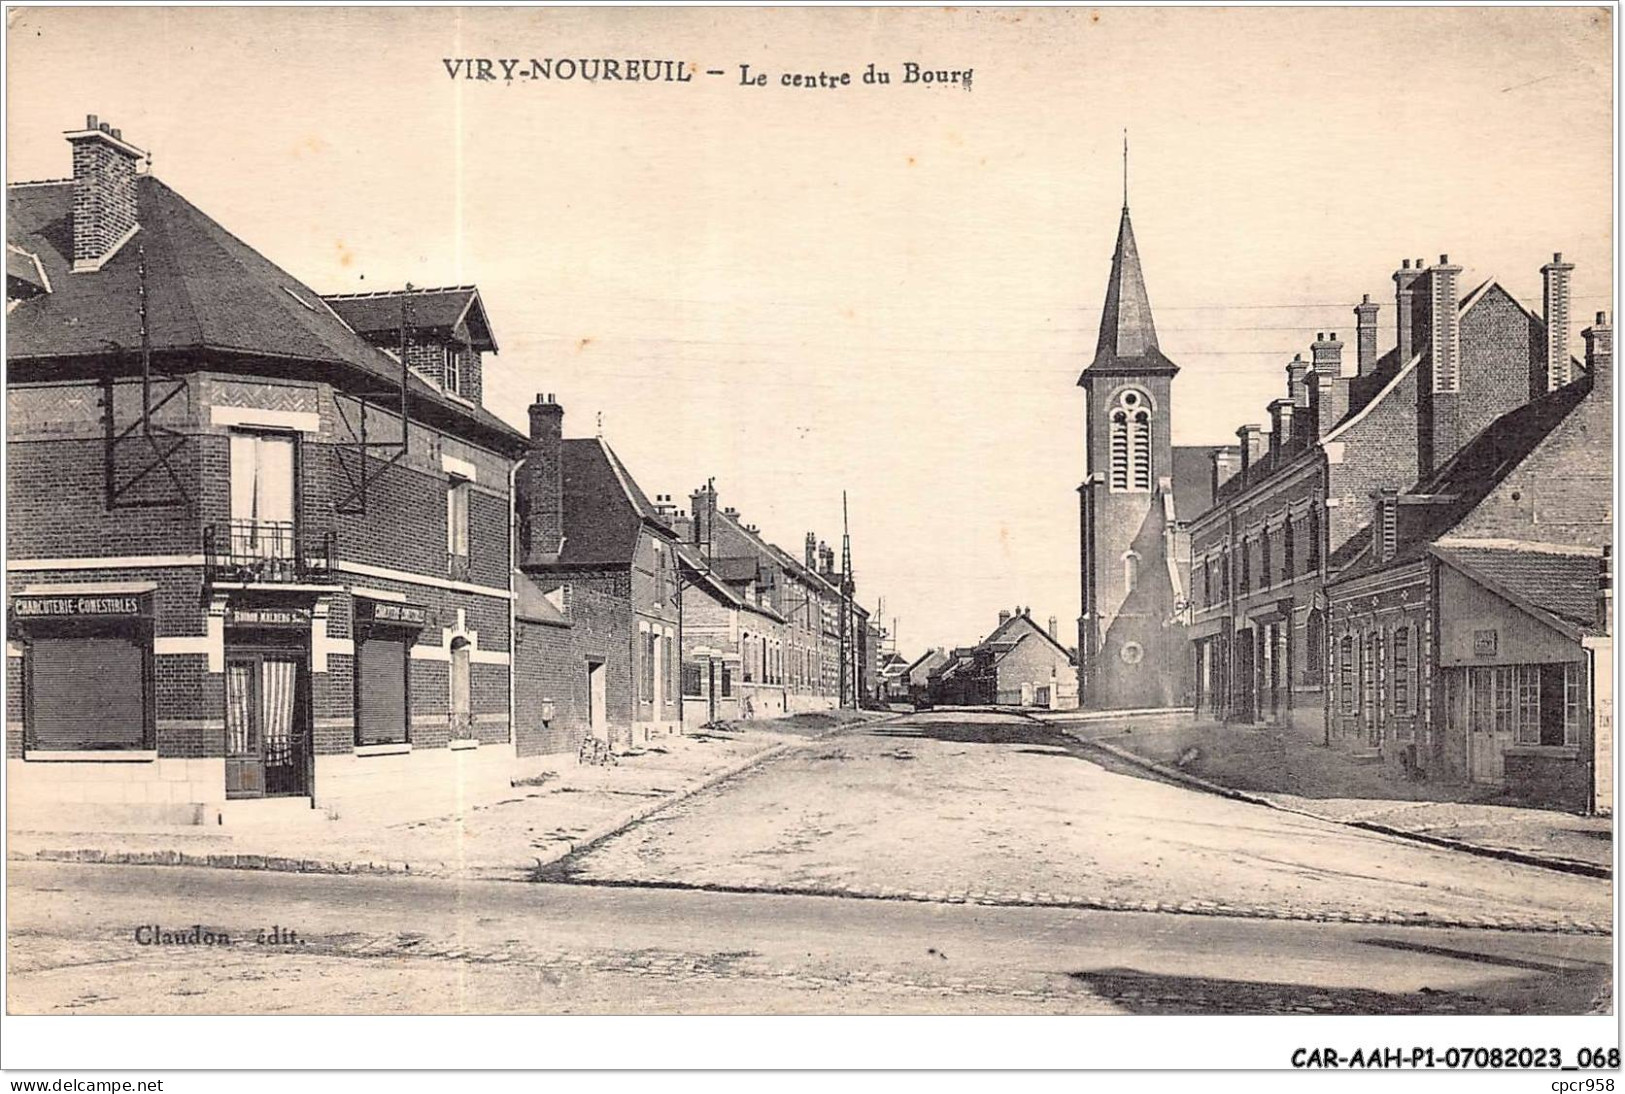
pixel 87 694
pixel 381 692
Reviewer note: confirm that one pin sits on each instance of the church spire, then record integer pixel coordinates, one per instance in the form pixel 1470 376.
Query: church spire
pixel 1128 335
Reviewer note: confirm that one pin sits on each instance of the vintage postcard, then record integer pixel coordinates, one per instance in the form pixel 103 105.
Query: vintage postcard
pixel 812 511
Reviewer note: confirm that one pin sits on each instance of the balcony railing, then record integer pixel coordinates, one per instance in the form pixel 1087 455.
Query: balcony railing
pixel 263 552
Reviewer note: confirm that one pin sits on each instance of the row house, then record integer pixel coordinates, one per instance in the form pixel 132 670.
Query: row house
pixel 1293 504
pixel 253 551
pixel 1470 640
pixel 1019 664
pixel 601 554
pixel 723 628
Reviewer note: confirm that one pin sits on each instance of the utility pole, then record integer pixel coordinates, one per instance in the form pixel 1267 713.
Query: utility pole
pixel 848 658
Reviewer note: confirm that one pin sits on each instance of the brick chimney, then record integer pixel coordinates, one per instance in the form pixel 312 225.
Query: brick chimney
pixel 1281 436
pixel 1297 380
pixel 1605 589
pixel 1365 337
pixel 1328 401
pixel 1555 299
pixel 1004 616
pixel 1252 446
pixel 1053 632
pixel 1599 339
pixel 104 201
pixel 1225 463
pixel 812 552
pixel 1404 319
pixel 539 485
pixel 703 504
pixel 1328 354
pixel 1444 329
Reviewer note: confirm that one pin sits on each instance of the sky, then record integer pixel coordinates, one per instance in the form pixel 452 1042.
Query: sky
pixel 883 290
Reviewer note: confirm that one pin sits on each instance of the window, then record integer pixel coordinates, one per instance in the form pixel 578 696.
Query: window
pixel 1346 668
pixel 1315 640
pixel 1549 701
pixel 1368 679
pixel 692 681
pixel 70 709
pixel 646 688
pixel 462 714
pixel 727 682
pixel 1245 583
pixel 1224 575
pixel 747 656
pixel 668 662
pixel 262 496
pixel 381 691
pixel 1265 562
pixel 457 527
pixel 453 372
pixel 1130 443
pixel 1402 670
pixel 1131 571
pixel 1289 563
pixel 1313 536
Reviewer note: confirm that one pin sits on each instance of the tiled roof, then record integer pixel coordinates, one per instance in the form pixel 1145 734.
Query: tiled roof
pixel 450 308
pixel 603 507
pixel 207 290
pixel 532 605
pixel 1543 583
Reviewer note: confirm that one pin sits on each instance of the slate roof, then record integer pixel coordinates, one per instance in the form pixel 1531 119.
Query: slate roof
pixel 1557 587
pixel 456 308
pixel 1001 634
pixel 532 605
pixel 603 507
pixel 207 290
pixel 1128 335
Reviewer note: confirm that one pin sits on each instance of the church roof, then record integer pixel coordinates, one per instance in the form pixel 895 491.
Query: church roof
pixel 1128 336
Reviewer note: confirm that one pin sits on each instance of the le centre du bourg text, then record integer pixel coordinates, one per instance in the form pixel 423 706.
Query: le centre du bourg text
pixel 648 70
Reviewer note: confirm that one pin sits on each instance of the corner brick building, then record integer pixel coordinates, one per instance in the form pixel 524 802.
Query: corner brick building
pixel 250 553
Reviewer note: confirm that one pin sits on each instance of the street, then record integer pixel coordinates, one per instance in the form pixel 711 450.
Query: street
pixel 946 863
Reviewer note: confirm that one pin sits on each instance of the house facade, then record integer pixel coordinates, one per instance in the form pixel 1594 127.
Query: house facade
pixel 250 554
pixel 594 544
pixel 1471 642
pixel 1293 505
pixel 1019 664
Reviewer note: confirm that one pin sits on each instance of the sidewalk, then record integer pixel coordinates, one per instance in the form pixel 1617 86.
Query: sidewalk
pixel 1287 770
pixel 558 811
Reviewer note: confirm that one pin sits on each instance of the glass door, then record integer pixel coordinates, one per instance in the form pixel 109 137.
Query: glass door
pixel 265 726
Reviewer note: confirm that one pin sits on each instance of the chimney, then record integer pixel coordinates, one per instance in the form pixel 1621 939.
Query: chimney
pixel 1404 282
pixel 540 485
pixel 1297 380
pixel 1555 299
pixel 812 551
pixel 1444 334
pixel 1281 426
pixel 1328 354
pixel 1600 355
pixel 683 525
pixel 1328 401
pixel 104 201
pixel 1053 632
pixel 1252 446
pixel 1225 463
pixel 1365 337
pixel 1385 533
pixel 1004 616
pixel 703 504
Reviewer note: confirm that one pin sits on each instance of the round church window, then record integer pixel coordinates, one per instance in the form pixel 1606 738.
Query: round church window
pixel 1132 653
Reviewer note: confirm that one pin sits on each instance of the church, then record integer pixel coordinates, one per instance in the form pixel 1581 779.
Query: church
pixel 1138 493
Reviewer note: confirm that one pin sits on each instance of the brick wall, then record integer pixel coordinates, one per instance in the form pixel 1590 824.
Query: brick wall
pixel 545 670
pixel 1378 452
pixel 1501 368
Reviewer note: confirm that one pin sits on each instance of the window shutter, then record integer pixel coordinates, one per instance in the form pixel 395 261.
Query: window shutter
pixel 381 692
pixel 87 694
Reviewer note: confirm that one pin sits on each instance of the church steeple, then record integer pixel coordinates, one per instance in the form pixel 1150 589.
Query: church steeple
pixel 1128 335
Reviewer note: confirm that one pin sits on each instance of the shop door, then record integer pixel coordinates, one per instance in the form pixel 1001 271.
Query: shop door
pixel 1491 732
pixel 1245 683
pixel 266 726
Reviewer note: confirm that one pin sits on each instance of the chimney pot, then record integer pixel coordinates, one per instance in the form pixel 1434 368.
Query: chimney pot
pixel 1444 260
pixel 90 121
pixel 1557 256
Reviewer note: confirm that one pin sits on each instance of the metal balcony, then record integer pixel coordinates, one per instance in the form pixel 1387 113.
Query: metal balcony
pixel 264 552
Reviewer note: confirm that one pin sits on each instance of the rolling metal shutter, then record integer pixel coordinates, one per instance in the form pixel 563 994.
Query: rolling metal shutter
pixel 381 691
pixel 87 694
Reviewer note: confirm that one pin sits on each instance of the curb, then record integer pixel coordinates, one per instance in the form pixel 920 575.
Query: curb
pixel 1525 858
pixel 281 864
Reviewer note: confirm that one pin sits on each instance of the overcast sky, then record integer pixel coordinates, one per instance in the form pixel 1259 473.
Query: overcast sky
pixel 889 290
